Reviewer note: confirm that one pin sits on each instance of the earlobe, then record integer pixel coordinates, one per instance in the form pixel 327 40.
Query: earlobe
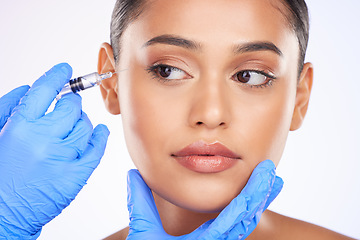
pixel 108 87
pixel 302 96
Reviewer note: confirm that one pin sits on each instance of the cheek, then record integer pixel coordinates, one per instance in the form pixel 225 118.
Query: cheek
pixel 263 124
pixel 148 121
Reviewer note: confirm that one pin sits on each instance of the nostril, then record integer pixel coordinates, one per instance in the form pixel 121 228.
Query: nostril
pixel 202 123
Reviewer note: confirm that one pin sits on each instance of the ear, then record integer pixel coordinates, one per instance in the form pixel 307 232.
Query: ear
pixel 302 96
pixel 108 87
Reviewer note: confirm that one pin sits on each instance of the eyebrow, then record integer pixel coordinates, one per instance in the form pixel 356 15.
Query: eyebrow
pixel 175 41
pixel 196 46
pixel 257 46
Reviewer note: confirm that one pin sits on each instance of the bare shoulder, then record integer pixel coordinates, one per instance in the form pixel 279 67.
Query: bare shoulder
pixel 120 235
pixel 275 226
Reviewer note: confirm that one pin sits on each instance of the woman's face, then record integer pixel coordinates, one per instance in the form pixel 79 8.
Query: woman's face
pixel 206 75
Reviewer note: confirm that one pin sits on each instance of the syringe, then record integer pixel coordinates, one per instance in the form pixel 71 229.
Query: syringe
pixel 84 82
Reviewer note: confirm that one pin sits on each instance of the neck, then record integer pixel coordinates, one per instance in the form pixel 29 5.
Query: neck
pixel 178 221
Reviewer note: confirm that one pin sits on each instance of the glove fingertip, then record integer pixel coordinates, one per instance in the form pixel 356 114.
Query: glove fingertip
pixel 136 184
pixel 56 77
pixel 96 147
pixel 262 172
pixel 264 168
pixel 10 101
pixel 279 181
pixel 133 175
pixel 141 204
pixel 65 68
pixel 268 164
pixel 99 139
pixel 22 90
pixel 103 129
pixel 278 184
pixel 100 135
pixel 16 93
pixel 133 171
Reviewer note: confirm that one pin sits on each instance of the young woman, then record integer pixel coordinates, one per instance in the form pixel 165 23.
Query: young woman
pixel 211 90
pixel 203 76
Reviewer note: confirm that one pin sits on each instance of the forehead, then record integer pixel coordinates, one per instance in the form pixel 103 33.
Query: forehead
pixel 217 25
pixel 258 19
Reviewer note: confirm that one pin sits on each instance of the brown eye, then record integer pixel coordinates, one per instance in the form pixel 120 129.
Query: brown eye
pixel 169 72
pixel 243 76
pixel 164 71
pixel 252 77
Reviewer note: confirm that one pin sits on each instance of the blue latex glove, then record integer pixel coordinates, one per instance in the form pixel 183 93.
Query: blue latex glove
pixel 236 221
pixel 45 160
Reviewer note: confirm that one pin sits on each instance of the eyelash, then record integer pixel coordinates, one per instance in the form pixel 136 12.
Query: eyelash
pixel 269 78
pixel 153 70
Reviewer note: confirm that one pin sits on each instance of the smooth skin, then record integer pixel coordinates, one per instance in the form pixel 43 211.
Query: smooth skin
pixel 205 101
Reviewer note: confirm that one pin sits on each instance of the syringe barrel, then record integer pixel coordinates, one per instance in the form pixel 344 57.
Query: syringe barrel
pixel 80 83
pixel 87 81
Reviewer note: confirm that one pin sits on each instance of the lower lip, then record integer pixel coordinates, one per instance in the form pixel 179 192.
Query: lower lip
pixel 206 164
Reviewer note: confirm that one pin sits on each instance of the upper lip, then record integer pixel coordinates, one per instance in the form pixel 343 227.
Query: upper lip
pixel 201 148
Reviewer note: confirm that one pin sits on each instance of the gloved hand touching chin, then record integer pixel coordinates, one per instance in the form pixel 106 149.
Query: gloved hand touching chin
pixel 236 221
pixel 45 160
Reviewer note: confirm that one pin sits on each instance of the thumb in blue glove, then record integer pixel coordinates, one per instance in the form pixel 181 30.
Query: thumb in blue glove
pixel 45 159
pixel 236 221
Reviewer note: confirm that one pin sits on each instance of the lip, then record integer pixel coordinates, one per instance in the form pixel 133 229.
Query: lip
pixel 206 157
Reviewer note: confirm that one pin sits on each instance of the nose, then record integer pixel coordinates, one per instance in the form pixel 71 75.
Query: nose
pixel 210 107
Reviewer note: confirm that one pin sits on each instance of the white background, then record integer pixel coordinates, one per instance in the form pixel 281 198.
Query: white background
pixel 320 165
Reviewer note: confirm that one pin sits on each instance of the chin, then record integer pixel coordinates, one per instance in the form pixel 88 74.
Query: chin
pixel 202 200
pixel 203 193
pixel 204 206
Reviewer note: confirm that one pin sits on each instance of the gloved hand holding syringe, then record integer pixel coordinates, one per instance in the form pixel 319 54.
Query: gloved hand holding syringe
pixel 84 82
pixel 46 157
